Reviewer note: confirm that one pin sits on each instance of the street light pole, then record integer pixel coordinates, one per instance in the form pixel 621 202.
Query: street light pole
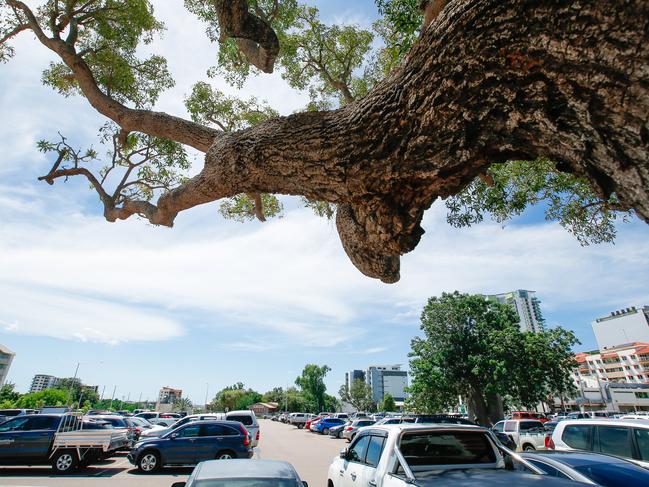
pixel 76 371
pixel 207 390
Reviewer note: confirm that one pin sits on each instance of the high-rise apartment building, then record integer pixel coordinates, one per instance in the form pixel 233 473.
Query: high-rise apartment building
pixel 40 382
pixel 622 327
pixel 385 379
pixel 6 357
pixel 526 305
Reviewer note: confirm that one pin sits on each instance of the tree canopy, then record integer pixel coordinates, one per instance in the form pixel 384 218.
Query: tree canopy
pixel 477 102
pixel 474 348
pixel 359 395
pixel 311 383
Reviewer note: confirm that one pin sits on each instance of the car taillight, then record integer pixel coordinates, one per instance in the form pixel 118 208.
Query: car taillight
pixel 549 443
pixel 349 428
pixel 257 437
pixel 246 436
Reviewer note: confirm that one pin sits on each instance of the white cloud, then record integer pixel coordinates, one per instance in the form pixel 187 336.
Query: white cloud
pixel 51 313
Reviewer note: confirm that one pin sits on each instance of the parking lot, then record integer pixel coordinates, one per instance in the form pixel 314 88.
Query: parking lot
pixel 310 453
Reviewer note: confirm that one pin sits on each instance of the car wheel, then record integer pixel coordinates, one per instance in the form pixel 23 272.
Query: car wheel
pixel 149 462
pixel 300 426
pixel 325 431
pixel 340 435
pixel 529 448
pixel 64 461
pixel 225 455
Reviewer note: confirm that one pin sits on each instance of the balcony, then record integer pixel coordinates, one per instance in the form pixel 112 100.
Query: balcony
pixel 616 375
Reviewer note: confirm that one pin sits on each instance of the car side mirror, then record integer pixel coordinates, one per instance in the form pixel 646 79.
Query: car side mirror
pixel 305 484
pixel 179 484
pixel 343 453
pixel 173 437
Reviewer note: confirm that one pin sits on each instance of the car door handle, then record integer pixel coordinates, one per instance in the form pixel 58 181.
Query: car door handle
pixel 342 472
pixel 353 476
pixel 372 483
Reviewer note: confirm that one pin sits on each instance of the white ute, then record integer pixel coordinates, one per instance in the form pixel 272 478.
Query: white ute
pixel 440 455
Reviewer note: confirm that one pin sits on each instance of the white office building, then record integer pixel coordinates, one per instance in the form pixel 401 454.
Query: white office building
pixel 526 305
pixel 384 379
pixel 6 357
pixel 354 375
pixel 40 382
pixel 625 326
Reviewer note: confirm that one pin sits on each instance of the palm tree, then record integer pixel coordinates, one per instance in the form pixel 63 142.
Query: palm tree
pixel 184 404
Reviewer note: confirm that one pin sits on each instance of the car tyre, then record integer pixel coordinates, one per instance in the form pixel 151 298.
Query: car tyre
pixel 148 462
pixel 226 455
pixel 64 461
pixel 529 448
pixel 325 431
pixel 300 426
pixel 340 435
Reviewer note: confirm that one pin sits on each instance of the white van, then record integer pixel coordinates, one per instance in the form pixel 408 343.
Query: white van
pixel 249 420
pixel 626 438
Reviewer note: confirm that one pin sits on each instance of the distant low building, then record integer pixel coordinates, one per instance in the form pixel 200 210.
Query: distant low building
pixel 261 408
pixel 627 363
pixel 167 397
pixel 40 382
pixel 628 325
pixel 6 357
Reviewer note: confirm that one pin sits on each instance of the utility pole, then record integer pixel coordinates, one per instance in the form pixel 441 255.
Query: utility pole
pixel 103 389
pixel 74 380
pixel 207 390
pixel 112 398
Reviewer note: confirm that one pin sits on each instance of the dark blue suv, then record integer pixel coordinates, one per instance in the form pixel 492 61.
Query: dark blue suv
pixel 193 443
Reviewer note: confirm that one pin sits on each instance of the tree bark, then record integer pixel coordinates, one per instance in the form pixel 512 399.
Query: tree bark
pixel 488 81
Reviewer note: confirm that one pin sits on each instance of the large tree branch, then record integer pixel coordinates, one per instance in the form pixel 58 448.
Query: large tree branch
pixel 254 36
pixel 489 81
pixel 146 121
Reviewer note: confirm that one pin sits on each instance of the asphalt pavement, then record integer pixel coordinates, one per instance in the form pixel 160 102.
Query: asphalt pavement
pixel 311 454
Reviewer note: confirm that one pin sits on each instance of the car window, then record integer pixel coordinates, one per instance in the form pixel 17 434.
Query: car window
pixel 499 427
pixel 642 439
pixel 243 419
pixel 530 425
pixel 212 430
pixel 510 426
pixel 189 431
pixel 18 424
pixel 365 423
pixel 577 436
pixel 43 423
pixel 374 449
pixel 447 448
pixel 358 449
pixel 615 440
pixel 549 469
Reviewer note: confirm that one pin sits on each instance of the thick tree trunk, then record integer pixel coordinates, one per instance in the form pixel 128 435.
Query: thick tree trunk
pixel 489 81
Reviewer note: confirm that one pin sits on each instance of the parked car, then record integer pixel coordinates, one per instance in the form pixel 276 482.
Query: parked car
pixel 395 421
pixel 5 414
pixel 325 424
pixel 440 455
pixel 438 419
pixel 191 444
pixel 309 423
pixel 625 438
pixel 590 468
pixel 155 417
pixel 588 415
pixel 350 430
pixel 298 419
pixel 258 473
pixel 527 434
pixel 162 430
pixel 337 431
pixel 249 420
pixel 119 423
pixel 58 440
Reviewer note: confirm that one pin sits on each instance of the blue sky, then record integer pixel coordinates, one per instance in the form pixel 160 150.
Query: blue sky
pixel 216 302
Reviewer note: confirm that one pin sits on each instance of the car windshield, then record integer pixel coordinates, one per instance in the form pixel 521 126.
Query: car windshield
pixel 244 419
pixel 615 475
pixel 254 482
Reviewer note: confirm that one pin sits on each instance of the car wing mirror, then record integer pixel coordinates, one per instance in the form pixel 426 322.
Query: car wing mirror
pixel 344 453
pixel 179 484
pixel 173 436
pixel 305 484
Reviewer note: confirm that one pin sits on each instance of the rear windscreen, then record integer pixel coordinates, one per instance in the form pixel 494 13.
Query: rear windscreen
pixel 244 419
pixel 447 448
